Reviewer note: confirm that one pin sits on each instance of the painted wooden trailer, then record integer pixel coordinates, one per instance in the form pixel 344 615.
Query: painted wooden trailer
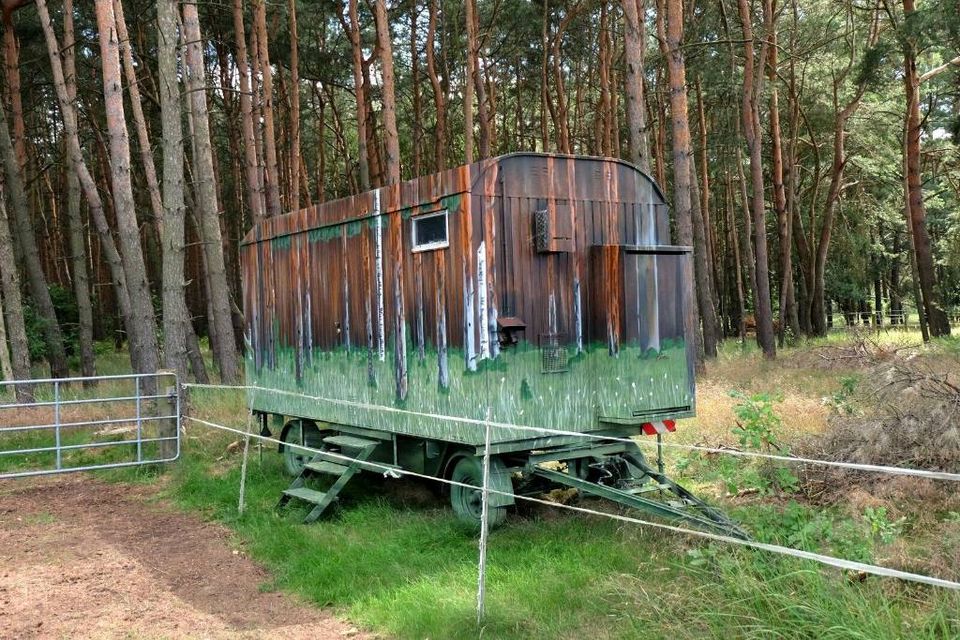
pixel 536 292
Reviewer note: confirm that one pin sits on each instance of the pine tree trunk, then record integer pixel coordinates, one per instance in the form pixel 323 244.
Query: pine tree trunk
pixel 30 255
pixel 14 161
pixel 605 116
pixel 701 263
pixel 392 138
pixel 417 96
pixel 635 41
pixel 208 209
pixel 792 307
pixel 704 175
pixel 439 97
pixel 294 92
pixel 468 85
pixel 272 177
pixel 698 302
pixel 142 326
pixel 11 59
pixel 253 177
pixel 358 82
pixel 6 367
pixel 139 120
pixel 562 114
pixel 78 164
pixel 779 192
pixel 13 308
pixel 734 244
pixel 176 316
pixel 751 124
pixel 78 249
pixel 473 56
pixel 544 90
pixel 937 321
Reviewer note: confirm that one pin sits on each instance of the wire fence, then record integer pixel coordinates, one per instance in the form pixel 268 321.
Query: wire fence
pixel 486 491
pixel 930 474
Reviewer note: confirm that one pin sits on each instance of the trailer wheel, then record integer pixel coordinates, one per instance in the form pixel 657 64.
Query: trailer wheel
pixel 299 432
pixel 467 502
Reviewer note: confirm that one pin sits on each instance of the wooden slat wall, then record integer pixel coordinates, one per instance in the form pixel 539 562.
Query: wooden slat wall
pixel 308 286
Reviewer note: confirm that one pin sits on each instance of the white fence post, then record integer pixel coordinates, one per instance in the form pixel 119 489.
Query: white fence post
pixel 484 525
pixel 241 503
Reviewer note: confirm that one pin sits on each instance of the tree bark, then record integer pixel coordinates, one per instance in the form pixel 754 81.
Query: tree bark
pixel 30 255
pixel 604 117
pixel 208 208
pixel 142 326
pixel 468 85
pixel 272 178
pixel 787 309
pixel 704 173
pixel 635 44
pixel 751 124
pixel 734 244
pixel 6 367
pixel 937 321
pixel 670 31
pixel 417 95
pixel 77 163
pixel 476 76
pixel 358 82
pixel 392 138
pixel 294 92
pixel 139 121
pixel 253 175
pixel 439 97
pixel 706 295
pixel 78 249
pixel 562 115
pixel 11 59
pixel 176 316
pixel 14 161
pixel 13 308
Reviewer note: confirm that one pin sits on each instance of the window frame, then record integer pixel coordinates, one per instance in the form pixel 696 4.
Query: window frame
pixel 437 244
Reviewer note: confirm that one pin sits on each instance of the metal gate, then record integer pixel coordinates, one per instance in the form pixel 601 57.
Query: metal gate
pixel 59 425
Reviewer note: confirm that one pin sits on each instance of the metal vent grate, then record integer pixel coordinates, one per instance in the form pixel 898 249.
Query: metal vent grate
pixel 553 353
pixel 542 230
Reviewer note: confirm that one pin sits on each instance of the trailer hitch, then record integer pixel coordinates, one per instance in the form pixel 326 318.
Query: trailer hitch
pixel 635 483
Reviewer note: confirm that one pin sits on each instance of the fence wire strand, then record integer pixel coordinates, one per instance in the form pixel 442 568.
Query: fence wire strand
pixel 839 563
pixel 928 474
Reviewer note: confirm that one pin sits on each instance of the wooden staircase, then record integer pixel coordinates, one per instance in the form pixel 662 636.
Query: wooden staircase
pixel 331 465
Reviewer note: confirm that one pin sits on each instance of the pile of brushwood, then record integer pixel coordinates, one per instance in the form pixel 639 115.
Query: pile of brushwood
pixel 902 409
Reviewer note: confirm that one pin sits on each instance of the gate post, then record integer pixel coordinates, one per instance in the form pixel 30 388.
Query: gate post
pixel 168 408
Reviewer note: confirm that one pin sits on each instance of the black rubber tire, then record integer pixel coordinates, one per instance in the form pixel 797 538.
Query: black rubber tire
pixel 299 432
pixel 467 502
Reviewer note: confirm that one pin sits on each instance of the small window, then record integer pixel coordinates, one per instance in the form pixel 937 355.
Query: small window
pixel 430 231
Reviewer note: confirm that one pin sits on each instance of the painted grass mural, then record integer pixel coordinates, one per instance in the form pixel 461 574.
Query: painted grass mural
pixel 632 386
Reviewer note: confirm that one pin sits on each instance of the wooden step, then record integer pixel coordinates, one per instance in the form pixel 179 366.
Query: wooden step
pixel 328 468
pixel 305 494
pixel 350 442
pixel 345 458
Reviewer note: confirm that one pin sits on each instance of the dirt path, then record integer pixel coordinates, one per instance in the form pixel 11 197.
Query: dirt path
pixel 83 559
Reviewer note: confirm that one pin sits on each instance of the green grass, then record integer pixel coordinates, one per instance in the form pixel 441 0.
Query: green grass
pixel 394 560
pixel 398 563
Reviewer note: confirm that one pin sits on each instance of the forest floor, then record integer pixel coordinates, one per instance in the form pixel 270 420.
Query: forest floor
pixel 393 560
pixel 84 559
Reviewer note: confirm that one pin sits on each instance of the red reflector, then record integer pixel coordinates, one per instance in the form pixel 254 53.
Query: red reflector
pixel 659 427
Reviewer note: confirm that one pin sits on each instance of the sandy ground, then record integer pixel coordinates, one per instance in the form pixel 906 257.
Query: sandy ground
pixel 83 559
